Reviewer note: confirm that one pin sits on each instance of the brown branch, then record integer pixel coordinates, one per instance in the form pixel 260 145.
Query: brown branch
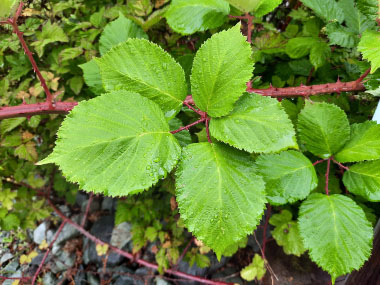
pixel 47 252
pixel 28 110
pixel 16 30
pixel 129 255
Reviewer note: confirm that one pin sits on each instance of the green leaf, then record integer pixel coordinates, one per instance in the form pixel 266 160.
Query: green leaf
pixel 355 21
pixel 10 222
pixel 69 53
pixel 319 54
pixel 336 233
pixel 300 47
pixel 143 67
pixel 9 124
pixel 220 198
pixel 221 69
pixel 341 36
pixel 119 31
pixel 245 5
pixel 286 233
pixel 369 8
pixel 6 7
pixel 266 6
pixel 364 179
pixel 323 128
pixel 289 176
pixel 50 33
pixel 364 143
pixel 76 84
pixel 369 46
pixel 92 77
pixel 125 147
pixel 255 270
pixel 328 10
pixel 184 137
pixel 189 16
pixel 257 124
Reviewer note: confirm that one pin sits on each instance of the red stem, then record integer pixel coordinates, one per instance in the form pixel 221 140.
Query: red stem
pixel 87 209
pixel 129 255
pixel 327 175
pixel 364 75
pixel 249 27
pixel 340 165
pixel 28 110
pixel 13 23
pixel 47 252
pixel 188 126
pixel 269 208
pixel 319 161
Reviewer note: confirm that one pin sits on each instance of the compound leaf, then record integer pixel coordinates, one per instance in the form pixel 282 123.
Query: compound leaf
pixel 141 66
pixel 336 233
pixel 340 35
pixel 369 46
pixel 289 176
pixel 286 233
pixel 189 16
pixel 364 179
pixel 220 197
pixel 119 31
pixel 125 146
pixel 323 128
pixel 221 69
pixel 328 10
pixel 364 143
pixel 257 124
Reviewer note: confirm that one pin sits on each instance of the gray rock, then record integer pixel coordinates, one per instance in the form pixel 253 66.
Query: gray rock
pixel 235 279
pixel 62 262
pixel 80 277
pixel 108 204
pixel 37 260
pixel 81 198
pixel 92 279
pixel 68 232
pixel 126 280
pixel 160 281
pixel 123 270
pixel 42 233
pixel 102 229
pixel 121 235
pixel 11 267
pixel 9 281
pixel 64 209
pixel 49 279
pixel 95 205
pixel 193 270
pixel 146 274
pixel 5 257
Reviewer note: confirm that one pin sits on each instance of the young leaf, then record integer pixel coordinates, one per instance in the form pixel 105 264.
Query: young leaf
pixel 323 128
pixel 221 69
pixel 319 54
pixel 141 66
pixel 364 143
pixel 369 46
pixel 328 10
pixel 255 270
pixel 289 176
pixel 257 124
pixel 286 233
pixel 336 233
pixel 6 7
pixel 125 147
pixel 364 179
pixel 299 47
pixel 92 77
pixel 119 31
pixel 220 197
pixel 189 16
